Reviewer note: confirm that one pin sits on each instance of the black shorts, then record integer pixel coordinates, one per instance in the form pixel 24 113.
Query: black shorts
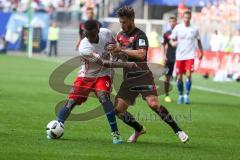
pixel 170 66
pixel 132 87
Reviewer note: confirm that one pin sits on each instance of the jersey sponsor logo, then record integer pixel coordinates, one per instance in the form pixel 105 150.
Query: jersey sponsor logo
pixel 131 39
pixel 142 42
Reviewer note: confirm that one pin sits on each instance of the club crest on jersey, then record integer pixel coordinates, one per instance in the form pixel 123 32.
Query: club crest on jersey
pixel 142 42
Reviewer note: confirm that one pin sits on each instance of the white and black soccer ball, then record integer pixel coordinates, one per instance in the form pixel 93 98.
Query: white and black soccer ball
pixel 55 129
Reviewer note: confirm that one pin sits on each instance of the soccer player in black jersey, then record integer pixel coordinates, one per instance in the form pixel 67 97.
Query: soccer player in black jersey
pixel 170 52
pixel 81 30
pixel 133 43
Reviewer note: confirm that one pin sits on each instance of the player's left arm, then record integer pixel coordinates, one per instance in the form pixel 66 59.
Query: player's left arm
pixel 199 43
pixel 94 57
pixel 139 53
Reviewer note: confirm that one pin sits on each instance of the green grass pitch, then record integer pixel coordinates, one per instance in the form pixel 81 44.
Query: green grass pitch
pixel 27 105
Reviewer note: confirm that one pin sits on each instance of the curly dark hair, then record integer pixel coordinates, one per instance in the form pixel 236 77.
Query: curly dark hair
pixel 91 24
pixel 126 11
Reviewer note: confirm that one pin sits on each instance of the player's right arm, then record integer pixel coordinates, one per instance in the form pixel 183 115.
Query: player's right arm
pixel 165 45
pixel 199 43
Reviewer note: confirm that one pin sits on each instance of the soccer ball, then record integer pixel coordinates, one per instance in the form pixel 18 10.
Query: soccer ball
pixel 54 129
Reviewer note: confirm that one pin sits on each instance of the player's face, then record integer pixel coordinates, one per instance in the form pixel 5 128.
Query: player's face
pixel 172 23
pixel 92 35
pixel 187 18
pixel 127 24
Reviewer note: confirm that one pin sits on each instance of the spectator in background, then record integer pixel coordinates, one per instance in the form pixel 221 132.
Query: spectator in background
pixel 3 47
pixel 87 4
pixel 236 42
pixel 90 16
pixel 154 39
pixel 216 41
pixel 53 35
pixel 226 43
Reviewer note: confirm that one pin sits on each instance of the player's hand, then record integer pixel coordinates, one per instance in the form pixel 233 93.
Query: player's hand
pixel 201 57
pixel 174 43
pixel 113 48
pixel 105 55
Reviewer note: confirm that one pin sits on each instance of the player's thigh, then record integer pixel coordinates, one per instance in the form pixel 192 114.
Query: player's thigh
pixel 126 93
pixel 80 90
pixel 102 84
pixel 189 64
pixel 189 67
pixel 180 67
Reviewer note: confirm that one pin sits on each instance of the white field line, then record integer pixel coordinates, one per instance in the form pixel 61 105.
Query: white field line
pixel 207 89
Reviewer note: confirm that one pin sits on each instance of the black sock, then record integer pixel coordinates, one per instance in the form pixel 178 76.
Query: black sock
pixel 166 117
pixel 166 88
pixel 128 119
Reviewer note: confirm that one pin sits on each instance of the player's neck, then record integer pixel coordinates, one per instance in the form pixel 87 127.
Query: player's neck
pixel 187 24
pixel 95 41
pixel 131 30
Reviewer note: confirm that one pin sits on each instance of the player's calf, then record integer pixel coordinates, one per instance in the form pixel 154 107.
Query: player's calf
pixel 110 113
pixel 65 111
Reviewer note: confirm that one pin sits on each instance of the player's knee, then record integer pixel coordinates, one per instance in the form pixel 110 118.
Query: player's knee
pixel 119 110
pixel 153 105
pixel 103 97
pixel 71 104
pixel 189 76
pixel 153 102
pixel 179 78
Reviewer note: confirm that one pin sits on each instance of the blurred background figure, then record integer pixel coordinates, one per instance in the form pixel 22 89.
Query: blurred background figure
pixel 236 42
pixel 53 35
pixel 3 48
pixel 154 39
pixel 90 16
pixel 216 41
pixel 170 53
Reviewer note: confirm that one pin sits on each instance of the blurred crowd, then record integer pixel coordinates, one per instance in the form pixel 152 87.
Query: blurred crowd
pixel 46 5
pixel 219 24
pixel 222 9
pixel 49 6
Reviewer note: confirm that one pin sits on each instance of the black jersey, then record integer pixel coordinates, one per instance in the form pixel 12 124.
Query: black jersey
pixel 135 40
pixel 171 51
